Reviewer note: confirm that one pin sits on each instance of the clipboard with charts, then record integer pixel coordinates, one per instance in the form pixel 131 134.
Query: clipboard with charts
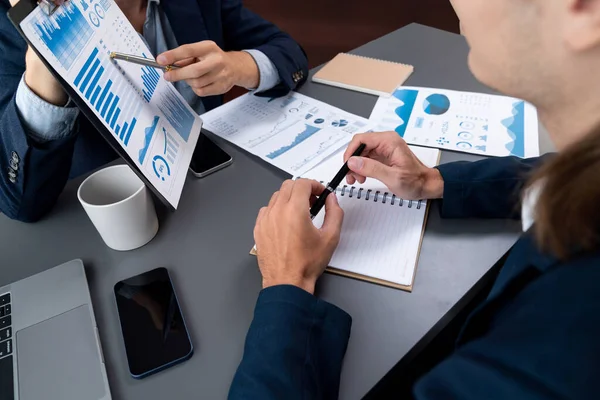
pixel 141 115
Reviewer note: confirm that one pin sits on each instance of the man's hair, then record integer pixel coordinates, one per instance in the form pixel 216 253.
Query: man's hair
pixel 568 209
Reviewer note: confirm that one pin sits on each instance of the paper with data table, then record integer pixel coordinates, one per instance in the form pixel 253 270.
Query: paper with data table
pixel 146 114
pixel 460 121
pixel 294 132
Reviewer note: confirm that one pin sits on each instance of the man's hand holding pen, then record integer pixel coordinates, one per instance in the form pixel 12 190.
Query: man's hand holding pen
pixel 209 70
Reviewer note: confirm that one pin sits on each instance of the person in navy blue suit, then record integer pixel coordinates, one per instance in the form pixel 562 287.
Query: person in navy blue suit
pixel 536 334
pixel 45 140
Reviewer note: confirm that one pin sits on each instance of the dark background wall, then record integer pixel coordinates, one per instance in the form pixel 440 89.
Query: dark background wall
pixel 327 27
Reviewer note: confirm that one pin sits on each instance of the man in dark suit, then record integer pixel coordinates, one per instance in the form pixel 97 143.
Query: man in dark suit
pixel 45 140
pixel 536 334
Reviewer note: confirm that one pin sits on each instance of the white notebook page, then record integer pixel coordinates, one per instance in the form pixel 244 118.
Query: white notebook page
pixel 378 240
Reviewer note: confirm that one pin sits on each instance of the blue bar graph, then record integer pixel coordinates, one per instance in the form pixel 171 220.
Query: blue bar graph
pixel 150 78
pixel 177 113
pixel 95 96
pixel 101 92
pixel 106 105
pixel 65 33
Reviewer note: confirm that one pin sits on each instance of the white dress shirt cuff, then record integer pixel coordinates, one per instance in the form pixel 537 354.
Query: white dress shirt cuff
pixel 269 76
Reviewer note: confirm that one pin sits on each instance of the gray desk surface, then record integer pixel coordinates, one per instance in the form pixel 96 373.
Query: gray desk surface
pixel 205 246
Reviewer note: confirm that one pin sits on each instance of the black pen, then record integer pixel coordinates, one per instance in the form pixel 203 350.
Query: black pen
pixel 332 186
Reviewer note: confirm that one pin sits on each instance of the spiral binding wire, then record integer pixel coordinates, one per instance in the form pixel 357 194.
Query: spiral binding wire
pixel 378 196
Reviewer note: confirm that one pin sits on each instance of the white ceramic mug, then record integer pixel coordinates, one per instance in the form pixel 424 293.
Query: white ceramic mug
pixel 120 207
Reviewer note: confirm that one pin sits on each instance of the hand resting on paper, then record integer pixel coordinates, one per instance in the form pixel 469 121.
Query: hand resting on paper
pixel 290 249
pixel 388 158
pixel 209 70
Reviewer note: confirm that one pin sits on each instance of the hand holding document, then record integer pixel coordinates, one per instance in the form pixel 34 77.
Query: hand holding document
pixel 140 111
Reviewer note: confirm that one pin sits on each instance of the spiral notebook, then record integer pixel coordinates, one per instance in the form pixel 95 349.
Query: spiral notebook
pixel 381 234
pixel 364 74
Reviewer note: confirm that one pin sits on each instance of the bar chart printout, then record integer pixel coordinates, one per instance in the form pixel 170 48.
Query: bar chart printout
pixel 145 114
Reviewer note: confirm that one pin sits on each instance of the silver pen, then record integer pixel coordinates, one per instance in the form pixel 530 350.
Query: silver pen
pixel 141 61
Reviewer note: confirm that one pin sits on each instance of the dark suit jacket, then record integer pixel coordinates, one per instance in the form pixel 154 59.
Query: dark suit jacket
pixel 536 335
pixel 43 168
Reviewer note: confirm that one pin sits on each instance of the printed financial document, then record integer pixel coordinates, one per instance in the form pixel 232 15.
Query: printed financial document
pixel 466 122
pixel 294 132
pixel 144 113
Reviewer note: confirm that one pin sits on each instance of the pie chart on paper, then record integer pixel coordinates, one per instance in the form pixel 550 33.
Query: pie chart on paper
pixel 436 104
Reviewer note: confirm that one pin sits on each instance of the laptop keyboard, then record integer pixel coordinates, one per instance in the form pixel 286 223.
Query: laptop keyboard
pixel 6 349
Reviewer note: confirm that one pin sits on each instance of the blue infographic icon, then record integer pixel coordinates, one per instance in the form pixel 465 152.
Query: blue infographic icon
pixel 442 141
pixel 467 125
pixel 319 121
pixel 465 135
pixel 464 145
pixel 481 148
pixel 436 104
pixel 161 167
pixel 483 138
pixel 339 124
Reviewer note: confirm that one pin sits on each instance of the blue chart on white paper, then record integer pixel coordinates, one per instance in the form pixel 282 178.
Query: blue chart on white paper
pixel 339 123
pixel 109 94
pixel 148 134
pixel 161 163
pixel 150 78
pixel 301 137
pixel 515 127
pixel 177 113
pixel 436 104
pixel 68 22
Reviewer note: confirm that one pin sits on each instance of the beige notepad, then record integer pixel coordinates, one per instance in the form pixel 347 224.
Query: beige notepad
pixel 363 74
pixel 381 234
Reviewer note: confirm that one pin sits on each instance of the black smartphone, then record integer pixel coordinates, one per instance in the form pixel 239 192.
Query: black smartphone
pixel 152 324
pixel 208 158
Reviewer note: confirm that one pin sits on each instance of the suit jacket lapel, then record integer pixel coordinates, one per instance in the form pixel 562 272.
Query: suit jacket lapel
pixel 186 20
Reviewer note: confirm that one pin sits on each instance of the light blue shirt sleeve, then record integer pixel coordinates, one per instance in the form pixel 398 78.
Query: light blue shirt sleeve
pixel 269 76
pixel 42 120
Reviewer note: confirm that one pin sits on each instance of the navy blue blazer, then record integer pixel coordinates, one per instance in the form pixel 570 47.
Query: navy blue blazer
pixel 535 336
pixel 44 168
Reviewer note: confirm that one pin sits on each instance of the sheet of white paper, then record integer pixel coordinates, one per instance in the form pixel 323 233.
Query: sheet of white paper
pixel 460 121
pixel 148 117
pixel 294 132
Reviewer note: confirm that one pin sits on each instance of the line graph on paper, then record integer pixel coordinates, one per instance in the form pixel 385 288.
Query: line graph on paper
pixel 336 137
pixel 283 124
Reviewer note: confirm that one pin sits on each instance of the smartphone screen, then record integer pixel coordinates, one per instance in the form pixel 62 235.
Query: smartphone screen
pixel 153 327
pixel 208 156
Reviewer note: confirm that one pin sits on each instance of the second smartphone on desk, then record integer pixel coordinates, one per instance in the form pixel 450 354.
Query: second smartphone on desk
pixel 208 158
pixel 154 331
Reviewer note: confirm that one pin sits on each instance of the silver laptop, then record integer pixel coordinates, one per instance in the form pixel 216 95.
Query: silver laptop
pixel 49 343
